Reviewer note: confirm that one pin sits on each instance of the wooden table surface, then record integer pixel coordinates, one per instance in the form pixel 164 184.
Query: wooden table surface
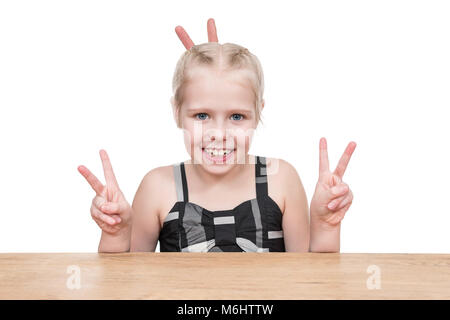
pixel 218 275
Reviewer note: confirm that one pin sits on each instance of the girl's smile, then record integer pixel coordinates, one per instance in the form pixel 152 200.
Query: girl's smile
pixel 218 155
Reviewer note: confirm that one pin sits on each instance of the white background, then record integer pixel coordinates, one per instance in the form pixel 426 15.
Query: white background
pixel 78 76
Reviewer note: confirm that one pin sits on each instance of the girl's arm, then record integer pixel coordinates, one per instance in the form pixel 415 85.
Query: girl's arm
pixel 146 226
pixel 295 216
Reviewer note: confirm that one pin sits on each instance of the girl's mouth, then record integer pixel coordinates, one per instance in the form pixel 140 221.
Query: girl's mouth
pixel 218 155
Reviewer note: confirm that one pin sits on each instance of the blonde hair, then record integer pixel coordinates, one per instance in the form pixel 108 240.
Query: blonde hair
pixel 226 57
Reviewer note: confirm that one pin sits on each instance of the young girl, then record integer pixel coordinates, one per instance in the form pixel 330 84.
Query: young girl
pixel 222 199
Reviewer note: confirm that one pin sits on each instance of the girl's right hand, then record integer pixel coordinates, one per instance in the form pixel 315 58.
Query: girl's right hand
pixel 109 209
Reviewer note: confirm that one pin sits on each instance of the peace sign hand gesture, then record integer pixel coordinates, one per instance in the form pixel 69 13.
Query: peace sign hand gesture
pixel 109 209
pixel 332 197
pixel 187 41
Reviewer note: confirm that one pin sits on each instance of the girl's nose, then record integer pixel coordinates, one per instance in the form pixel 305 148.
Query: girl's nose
pixel 219 134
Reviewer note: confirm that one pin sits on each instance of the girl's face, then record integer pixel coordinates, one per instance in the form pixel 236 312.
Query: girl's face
pixel 218 118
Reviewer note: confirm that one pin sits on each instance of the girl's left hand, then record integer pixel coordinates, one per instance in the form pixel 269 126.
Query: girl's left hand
pixel 332 197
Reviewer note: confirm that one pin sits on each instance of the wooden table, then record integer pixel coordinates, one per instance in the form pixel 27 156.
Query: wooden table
pixel 221 275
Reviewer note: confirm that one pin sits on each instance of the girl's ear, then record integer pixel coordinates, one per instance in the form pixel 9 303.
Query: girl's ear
pixel 174 111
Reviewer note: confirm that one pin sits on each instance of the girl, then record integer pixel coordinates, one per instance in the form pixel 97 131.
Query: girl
pixel 222 199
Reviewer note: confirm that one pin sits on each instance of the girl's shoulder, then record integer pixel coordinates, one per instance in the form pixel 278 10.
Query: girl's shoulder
pixel 159 176
pixel 279 167
pixel 161 189
pixel 282 178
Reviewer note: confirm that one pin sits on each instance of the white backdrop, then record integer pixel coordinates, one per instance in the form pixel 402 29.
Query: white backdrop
pixel 78 76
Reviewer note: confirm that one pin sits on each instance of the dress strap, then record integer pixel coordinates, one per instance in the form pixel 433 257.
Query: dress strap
pixel 261 176
pixel 180 182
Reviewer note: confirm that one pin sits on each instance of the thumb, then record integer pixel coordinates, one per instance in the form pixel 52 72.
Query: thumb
pixel 114 207
pixel 337 191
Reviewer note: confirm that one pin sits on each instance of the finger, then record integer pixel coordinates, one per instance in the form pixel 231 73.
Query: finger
pixel 212 32
pixel 98 201
pixel 341 212
pixel 116 217
pixel 111 208
pixel 335 202
pixel 338 216
pixel 340 201
pixel 335 180
pixel 336 192
pixel 107 227
pixel 347 200
pixel 323 157
pixel 91 179
pixel 343 162
pixel 184 37
pixel 111 181
pixel 96 214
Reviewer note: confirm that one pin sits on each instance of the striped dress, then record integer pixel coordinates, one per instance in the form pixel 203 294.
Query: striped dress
pixel 255 225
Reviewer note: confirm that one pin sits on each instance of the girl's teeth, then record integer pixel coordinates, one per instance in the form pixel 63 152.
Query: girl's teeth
pixel 215 153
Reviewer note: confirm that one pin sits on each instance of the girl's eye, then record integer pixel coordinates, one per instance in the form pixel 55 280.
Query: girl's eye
pixel 202 116
pixel 237 116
